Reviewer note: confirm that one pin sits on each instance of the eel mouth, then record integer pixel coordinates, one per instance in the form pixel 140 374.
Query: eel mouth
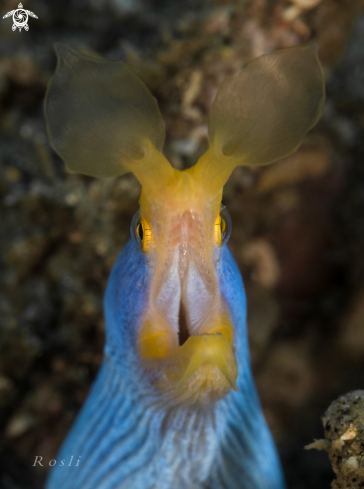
pixel 186 335
pixel 201 366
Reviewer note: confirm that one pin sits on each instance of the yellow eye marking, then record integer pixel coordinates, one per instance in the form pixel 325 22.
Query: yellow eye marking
pixel 220 226
pixel 144 233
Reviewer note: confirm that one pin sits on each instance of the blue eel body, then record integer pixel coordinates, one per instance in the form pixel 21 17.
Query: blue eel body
pixel 132 432
pixel 128 436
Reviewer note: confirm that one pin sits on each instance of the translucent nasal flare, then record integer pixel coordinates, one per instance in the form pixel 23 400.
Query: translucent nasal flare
pixel 262 114
pixel 102 120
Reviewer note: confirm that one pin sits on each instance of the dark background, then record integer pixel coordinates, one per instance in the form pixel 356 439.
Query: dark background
pixel 298 225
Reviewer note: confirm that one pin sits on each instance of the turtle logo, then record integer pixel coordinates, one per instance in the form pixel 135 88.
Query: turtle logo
pixel 20 17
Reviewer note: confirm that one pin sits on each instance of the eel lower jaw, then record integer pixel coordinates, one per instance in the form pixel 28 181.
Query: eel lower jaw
pixel 204 368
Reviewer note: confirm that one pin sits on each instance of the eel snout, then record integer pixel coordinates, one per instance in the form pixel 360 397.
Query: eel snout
pixel 186 335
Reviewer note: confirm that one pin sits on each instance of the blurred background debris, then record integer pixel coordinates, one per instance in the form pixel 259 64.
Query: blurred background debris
pixel 298 225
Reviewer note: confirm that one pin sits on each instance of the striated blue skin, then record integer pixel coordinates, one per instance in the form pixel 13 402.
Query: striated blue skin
pixel 131 436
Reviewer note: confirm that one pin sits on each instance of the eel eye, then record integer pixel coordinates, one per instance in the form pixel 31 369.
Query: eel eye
pixel 222 227
pixel 141 233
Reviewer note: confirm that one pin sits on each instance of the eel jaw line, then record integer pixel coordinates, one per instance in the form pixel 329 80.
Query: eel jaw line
pixel 186 336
